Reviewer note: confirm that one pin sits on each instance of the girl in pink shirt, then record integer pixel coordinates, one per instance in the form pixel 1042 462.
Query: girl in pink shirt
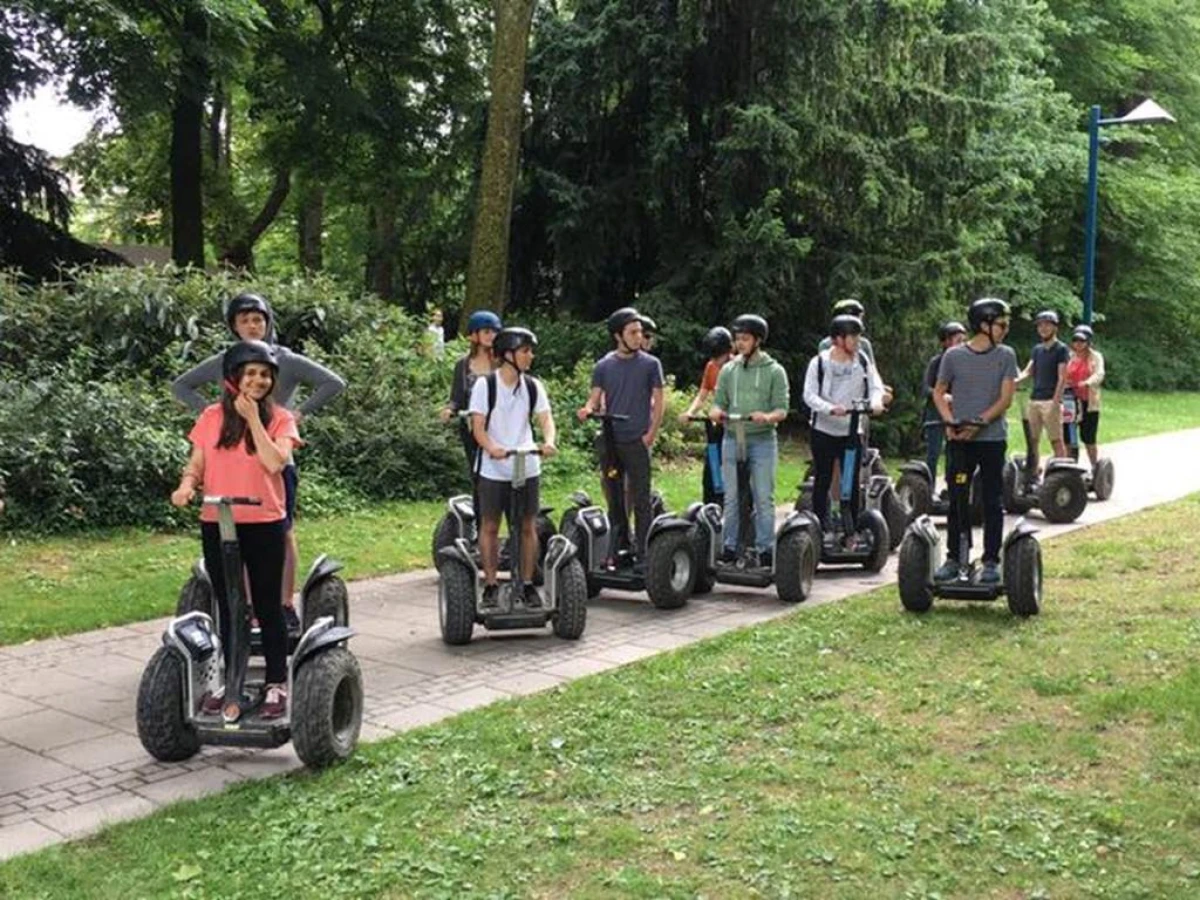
pixel 239 448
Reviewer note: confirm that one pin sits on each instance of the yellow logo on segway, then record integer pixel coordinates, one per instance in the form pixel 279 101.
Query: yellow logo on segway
pixel 960 478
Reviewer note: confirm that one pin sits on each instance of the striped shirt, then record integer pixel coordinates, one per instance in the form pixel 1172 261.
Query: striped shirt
pixel 974 380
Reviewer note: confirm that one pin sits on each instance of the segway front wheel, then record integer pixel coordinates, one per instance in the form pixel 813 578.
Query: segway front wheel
pixel 916 593
pixel 162 722
pixel 456 602
pixel 327 708
pixel 915 495
pixel 1023 576
pixel 328 597
pixel 444 535
pixel 705 577
pixel 1063 496
pixel 195 596
pixel 872 523
pixel 571 616
pixel 575 533
pixel 896 515
pixel 795 565
pixel 670 569
pixel 1103 478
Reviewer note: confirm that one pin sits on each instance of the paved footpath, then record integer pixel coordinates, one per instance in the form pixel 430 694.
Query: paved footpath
pixel 70 760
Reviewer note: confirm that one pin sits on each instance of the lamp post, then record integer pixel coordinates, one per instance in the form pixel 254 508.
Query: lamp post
pixel 1145 113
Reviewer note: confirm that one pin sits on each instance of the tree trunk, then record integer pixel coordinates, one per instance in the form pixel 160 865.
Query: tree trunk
pixel 240 254
pixel 187 134
pixel 310 222
pixel 381 261
pixel 487 271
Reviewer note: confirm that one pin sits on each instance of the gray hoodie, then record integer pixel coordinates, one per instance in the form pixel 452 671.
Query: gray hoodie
pixel 294 370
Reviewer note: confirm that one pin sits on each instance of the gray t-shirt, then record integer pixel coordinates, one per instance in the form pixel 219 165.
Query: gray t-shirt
pixel 628 383
pixel 974 380
pixel 1045 368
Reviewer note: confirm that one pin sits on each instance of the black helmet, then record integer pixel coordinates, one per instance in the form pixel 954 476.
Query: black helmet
pixel 842 325
pixel 244 352
pixel 648 325
pixel 718 340
pixel 1083 332
pixel 617 321
pixel 986 310
pixel 513 339
pixel 1047 315
pixel 949 328
pixel 849 307
pixel 247 303
pixel 750 324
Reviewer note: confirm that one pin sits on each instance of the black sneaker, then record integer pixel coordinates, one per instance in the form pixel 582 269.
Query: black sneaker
pixel 491 595
pixel 728 556
pixel 532 598
pixel 766 559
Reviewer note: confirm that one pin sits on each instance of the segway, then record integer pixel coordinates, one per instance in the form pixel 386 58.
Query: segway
pixel 460 581
pixel 916 492
pixel 1100 479
pixel 1061 496
pixel 793 552
pixel 1021 567
pixel 459 521
pixel 325 691
pixel 712 480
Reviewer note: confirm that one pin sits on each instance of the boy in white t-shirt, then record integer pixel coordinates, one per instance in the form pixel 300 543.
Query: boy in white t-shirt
pixel 503 407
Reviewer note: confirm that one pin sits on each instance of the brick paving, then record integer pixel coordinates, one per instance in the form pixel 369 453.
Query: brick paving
pixel 70 760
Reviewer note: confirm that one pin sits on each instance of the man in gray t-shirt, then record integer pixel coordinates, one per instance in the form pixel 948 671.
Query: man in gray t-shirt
pixel 980 376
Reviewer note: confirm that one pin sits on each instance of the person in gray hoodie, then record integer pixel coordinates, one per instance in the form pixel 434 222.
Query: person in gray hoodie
pixel 250 318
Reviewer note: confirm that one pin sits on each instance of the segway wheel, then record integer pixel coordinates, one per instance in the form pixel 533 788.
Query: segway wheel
pixel 658 506
pixel 328 597
pixel 915 495
pixel 574 532
pixel 162 722
pixel 795 565
pixel 444 535
pixel 1063 497
pixel 804 502
pixel 916 593
pixel 1103 479
pixel 1009 478
pixel 705 577
pixel 1023 576
pixel 875 526
pixel 571 617
pixel 670 568
pixel 195 596
pixel 545 531
pixel 327 708
pixel 456 603
pixel 896 514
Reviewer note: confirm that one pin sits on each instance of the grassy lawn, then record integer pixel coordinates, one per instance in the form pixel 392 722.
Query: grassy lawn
pixel 847 751
pixel 1123 415
pixel 67 585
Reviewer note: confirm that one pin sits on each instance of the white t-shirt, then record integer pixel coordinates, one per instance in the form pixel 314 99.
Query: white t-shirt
pixel 510 425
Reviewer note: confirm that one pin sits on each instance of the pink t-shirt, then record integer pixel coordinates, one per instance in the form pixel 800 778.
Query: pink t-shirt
pixel 1079 371
pixel 232 472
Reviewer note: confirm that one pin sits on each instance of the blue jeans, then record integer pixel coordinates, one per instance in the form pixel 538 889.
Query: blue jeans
pixel 762 456
pixel 935 436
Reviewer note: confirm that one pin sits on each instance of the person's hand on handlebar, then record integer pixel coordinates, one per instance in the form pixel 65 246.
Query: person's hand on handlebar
pixel 495 451
pixel 583 412
pixel 839 410
pixel 182 495
pixel 445 414
pixel 717 415
pixel 964 431
pixel 548 450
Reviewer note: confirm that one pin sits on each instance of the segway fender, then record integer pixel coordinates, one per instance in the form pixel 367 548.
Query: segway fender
pixel 667 522
pixel 1065 464
pixel 1023 529
pixel 462 507
pixel 559 552
pixel 321 569
pixel 692 513
pixel 580 499
pixel 916 467
pixel 801 519
pixel 200 571
pixel 319 638
pixel 922 529
pixel 458 552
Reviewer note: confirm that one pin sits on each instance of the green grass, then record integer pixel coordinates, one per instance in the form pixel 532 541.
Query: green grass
pixel 847 751
pixel 71 584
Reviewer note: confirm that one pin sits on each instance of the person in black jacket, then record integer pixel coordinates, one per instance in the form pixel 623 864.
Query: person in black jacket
pixel 482 327
pixel 951 334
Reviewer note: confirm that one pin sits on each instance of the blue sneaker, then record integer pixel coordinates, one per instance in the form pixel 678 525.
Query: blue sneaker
pixel 947 572
pixel 990 574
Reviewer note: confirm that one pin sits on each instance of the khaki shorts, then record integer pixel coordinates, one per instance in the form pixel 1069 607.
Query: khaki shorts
pixel 1045 414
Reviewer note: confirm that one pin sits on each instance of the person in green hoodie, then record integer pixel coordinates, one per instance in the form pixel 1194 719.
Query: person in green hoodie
pixel 754 385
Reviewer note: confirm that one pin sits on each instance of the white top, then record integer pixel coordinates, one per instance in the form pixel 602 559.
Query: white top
pixel 437 337
pixel 843 383
pixel 510 425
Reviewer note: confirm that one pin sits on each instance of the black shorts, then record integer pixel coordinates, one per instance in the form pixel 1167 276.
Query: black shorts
pixel 1089 424
pixel 291 478
pixel 495 498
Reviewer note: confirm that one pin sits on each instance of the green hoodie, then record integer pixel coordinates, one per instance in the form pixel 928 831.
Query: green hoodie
pixel 759 386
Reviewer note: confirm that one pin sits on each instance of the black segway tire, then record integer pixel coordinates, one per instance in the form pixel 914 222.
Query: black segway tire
pixel 162 722
pixel 705 577
pixel 195 596
pixel 1010 476
pixel 328 597
pixel 571 617
pixel 916 593
pixel 1023 576
pixel 545 531
pixel 670 568
pixel 873 522
pixel 574 533
pixel 896 514
pixel 1063 497
pixel 915 494
pixel 444 535
pixel 327 708
pixel 795 565
pixel 1103 478
pixel 804 502
pixel 456 603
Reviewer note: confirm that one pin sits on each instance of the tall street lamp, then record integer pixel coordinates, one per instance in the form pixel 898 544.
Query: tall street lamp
pixel 1145 113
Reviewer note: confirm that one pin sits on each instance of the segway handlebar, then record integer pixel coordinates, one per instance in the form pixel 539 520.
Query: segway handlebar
pixel 611 417
pixel 511 453
pixel 217 500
